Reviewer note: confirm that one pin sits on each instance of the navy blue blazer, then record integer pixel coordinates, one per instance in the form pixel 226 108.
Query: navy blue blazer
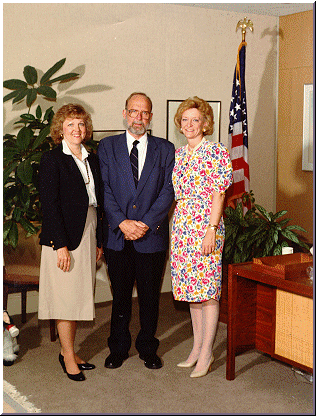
pixel 149 202
pixel 64 199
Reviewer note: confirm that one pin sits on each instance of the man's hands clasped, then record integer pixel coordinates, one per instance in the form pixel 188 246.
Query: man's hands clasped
pixel 133 230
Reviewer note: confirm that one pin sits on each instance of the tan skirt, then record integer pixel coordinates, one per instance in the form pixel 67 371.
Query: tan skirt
pixel 70 295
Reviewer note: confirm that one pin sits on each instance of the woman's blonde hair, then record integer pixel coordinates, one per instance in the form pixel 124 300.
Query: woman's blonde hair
pixel 69 111
pixel 204 108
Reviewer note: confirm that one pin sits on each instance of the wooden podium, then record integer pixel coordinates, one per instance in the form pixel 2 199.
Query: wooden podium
pixel 270 308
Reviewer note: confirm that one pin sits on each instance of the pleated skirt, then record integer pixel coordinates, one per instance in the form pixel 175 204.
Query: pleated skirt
pixel 70 295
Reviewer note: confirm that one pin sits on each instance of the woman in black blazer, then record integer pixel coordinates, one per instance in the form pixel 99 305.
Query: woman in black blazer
pixel 69 187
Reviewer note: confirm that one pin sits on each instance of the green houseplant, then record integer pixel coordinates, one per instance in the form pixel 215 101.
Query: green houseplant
pixel 257 232
pixel 252 233
pixel 22 151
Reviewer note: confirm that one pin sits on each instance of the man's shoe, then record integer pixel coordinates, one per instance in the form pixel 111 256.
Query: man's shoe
pixel 151 361
pixel 115 360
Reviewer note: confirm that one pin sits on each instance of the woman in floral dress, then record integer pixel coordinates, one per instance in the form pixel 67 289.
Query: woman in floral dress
pixel 202 174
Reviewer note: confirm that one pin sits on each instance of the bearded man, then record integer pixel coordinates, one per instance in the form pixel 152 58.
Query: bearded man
pixel 136 170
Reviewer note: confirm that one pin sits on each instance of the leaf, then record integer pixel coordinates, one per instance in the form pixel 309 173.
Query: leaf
pixel 30 74
pixel 278 215
pixel 49 113
pixel 28 226
pixel 9 153
pixel 10 95
pixel 65 77
pixel 276 235
pixel 263 211
pixel 13 235
pixel 16 215
pixel 48 92
pixel 284 222
pixel 6 228
pixel 28 117
pixel 7 171
pixel 41 137
pixel 25 197
pixel 21 94
pixel 290 235
pixel 24 172
pixel 36 156
pixel 31 96
pixel 277 251
pixel 239 211
pixel 295 227
pixel 23 138
pixel 15 84
pixel 52 71
pixel 38 112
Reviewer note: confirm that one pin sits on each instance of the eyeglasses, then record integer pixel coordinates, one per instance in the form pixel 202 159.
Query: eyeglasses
pixel 134 113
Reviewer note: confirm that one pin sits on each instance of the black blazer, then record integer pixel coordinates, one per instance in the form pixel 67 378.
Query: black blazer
pixel 64 199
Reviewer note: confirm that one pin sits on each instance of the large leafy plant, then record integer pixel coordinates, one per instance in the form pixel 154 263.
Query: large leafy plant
pixel 257 232
pixel 22 151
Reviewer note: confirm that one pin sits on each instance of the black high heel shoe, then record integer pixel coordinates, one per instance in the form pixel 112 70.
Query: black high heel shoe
pixel 86 366
pixel 76 377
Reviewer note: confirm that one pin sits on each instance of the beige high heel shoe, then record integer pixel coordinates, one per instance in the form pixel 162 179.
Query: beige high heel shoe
pixel 203 372
pixel 185 364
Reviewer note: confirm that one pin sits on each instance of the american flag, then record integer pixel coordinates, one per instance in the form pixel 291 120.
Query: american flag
pixel 238 131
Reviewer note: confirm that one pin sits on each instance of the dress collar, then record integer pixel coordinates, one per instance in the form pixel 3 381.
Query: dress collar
pixel 190 151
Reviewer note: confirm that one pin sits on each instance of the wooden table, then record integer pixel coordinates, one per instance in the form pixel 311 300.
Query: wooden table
pixel 253 315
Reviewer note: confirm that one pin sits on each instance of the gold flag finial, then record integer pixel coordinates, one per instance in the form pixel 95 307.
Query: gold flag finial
pixel 243 24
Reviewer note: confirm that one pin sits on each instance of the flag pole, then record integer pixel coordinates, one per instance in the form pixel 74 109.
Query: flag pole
pixel 244 24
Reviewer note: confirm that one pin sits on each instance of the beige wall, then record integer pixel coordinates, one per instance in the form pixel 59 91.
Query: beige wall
pixel 294 186
pixel 168 51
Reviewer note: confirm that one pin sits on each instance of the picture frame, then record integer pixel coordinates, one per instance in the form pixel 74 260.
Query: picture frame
pixel 100 134
pixel 176 137
pixel 307 151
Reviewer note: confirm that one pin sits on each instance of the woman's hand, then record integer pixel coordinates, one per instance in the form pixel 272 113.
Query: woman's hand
pixel 208 243
pixel 99 253
pixel 63 259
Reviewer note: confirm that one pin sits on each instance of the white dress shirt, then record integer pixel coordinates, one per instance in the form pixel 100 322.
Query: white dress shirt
pixel 141 147
pixel 83 166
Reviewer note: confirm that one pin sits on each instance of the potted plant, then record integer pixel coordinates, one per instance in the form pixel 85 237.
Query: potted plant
pixel 250 232
pixel 257 232
pixel 22 150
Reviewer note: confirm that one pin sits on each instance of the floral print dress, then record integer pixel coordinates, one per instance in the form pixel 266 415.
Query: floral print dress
pixel 197 278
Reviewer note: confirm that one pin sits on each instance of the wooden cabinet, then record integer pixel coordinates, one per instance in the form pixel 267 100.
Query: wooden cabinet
pixel 294 328
pixel 271 314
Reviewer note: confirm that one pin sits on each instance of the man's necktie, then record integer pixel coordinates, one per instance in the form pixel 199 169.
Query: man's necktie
pixel 134 161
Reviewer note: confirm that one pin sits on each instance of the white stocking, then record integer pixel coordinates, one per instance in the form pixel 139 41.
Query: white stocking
pixel 210 314
pixel 197 321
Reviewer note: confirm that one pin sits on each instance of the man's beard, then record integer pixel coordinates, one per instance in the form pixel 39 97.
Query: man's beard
pixel 139 131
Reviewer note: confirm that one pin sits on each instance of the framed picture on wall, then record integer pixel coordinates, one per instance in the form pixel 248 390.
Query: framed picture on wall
pixel 307 151
pixel 100 134
pixel 176 137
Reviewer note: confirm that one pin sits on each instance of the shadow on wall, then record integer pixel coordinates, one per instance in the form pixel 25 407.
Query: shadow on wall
pixel 69 96
pixel 299 203
pixel 260 132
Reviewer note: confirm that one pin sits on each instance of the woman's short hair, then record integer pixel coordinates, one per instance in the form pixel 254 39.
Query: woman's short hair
pixel 70 111
pixel 204 108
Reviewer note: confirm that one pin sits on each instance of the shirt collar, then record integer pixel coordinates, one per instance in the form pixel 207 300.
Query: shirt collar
pixel 67 151
pixel 130 139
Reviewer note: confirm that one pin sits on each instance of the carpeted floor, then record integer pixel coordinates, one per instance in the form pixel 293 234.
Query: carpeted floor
pixel 261 386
